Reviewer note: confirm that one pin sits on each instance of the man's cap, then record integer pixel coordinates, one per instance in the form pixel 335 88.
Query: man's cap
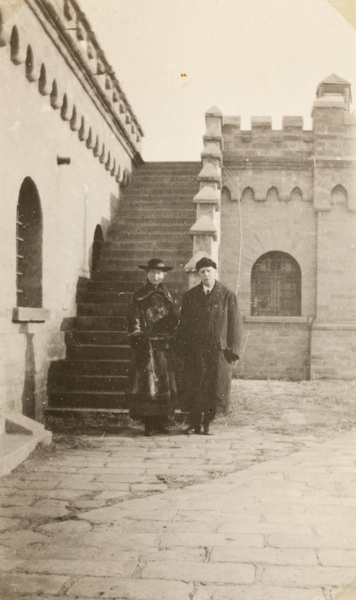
pixel 205 262
pixel 155 263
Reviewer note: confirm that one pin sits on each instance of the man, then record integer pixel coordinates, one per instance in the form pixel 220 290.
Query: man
pixel 152 323
pixel 208 339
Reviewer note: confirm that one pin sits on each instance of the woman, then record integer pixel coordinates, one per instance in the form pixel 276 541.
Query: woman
pixel 152 322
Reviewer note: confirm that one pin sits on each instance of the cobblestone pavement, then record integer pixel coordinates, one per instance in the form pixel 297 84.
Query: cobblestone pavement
pixel 241 515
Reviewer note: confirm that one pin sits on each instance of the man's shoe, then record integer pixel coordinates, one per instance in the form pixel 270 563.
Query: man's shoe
pixel 162 429
pixel 207 430
pixel 192 429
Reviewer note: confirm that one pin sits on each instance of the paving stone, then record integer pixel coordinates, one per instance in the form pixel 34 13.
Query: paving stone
pixel 312 541
pixel 113 553
pixel 308 576
pixel 212 539
pixel 256 592
pixel 148 487
pixel 73 526
pixel 114 538
pixel 73 567
pixel 120 492
pixel 37 584
pixel 8 523
pixel 268 556
pixel 337 558
pixel 130 589
pixel 247 525
pixel 49 550
pixel 200 572
pixel 176 554
pixel 21 537
pixel 181 527
pixel 123 478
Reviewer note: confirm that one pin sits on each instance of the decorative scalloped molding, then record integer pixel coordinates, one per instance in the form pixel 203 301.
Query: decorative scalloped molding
pixel 58 100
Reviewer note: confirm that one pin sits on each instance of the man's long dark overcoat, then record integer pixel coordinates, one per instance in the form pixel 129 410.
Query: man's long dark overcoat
pixel 208 342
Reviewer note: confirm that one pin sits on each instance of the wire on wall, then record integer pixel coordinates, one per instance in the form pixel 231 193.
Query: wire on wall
pixel 234 183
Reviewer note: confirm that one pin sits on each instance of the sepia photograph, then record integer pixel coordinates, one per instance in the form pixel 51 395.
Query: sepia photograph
pixel 178 300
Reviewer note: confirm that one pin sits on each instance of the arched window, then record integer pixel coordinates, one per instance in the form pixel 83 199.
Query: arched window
pixel 248 194
pixel 296 194
pixel 272 194
pixel 225 194
pixel 276 285
pixel 29 246
pixel 339 196
pixel 98 244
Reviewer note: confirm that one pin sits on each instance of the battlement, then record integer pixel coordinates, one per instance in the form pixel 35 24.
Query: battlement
pixel 333 132
pixel 262 140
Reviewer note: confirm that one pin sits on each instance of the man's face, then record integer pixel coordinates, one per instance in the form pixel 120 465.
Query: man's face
pixel 207 276
pixel 155 276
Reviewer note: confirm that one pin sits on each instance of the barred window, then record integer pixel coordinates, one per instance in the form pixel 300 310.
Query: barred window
pixel 29 246
pixel 276 285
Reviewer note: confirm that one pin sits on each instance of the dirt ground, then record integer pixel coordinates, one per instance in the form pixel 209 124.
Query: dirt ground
pixel 320 408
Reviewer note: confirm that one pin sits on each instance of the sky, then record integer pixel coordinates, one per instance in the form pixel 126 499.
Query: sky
pixel 247 57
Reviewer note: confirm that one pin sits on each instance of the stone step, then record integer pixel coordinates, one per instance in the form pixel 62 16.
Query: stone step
pixel 93 383
pixel 104 297
pixel 98 352
pixel 169 186
pixel 87 399
pixel 64 367
pixel 97 338
pixel 134 274
pixel 93 421
pixel 148 197
pixel 170 225
pixel 102 310
pixel 131 286
pixel 137 241
pixel 179 262
pixel 158 212
pixel 99 323
pixel 145 249
pixel 79 421
pixel 139 230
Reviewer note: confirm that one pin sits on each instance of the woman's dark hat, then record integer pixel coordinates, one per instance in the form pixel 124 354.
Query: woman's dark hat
pixel 205 262
pixel 155 263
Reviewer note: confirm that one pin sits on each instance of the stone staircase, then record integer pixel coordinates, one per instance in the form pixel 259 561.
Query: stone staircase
pixel 87 388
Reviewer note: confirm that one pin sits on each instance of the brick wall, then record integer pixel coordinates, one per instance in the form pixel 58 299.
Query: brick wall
pixel 317 229
pixel 272 347
pixel 275 349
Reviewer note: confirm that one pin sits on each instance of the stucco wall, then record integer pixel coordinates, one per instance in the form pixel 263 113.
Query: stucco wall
pixel 74 198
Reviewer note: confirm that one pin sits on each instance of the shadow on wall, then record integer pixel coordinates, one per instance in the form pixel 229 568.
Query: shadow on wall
pixel 29 386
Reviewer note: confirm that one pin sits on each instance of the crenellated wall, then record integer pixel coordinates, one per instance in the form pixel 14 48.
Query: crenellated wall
pixel 68 128
pixel 293 191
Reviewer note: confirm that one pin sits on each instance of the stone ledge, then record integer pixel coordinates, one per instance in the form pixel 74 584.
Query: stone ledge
pixel 22 314
pixel 22 437
pixel 286 320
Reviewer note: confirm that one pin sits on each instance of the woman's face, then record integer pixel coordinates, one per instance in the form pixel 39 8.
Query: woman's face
pixel 155 276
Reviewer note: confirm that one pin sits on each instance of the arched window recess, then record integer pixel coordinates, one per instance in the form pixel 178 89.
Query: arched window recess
pixel 276 285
